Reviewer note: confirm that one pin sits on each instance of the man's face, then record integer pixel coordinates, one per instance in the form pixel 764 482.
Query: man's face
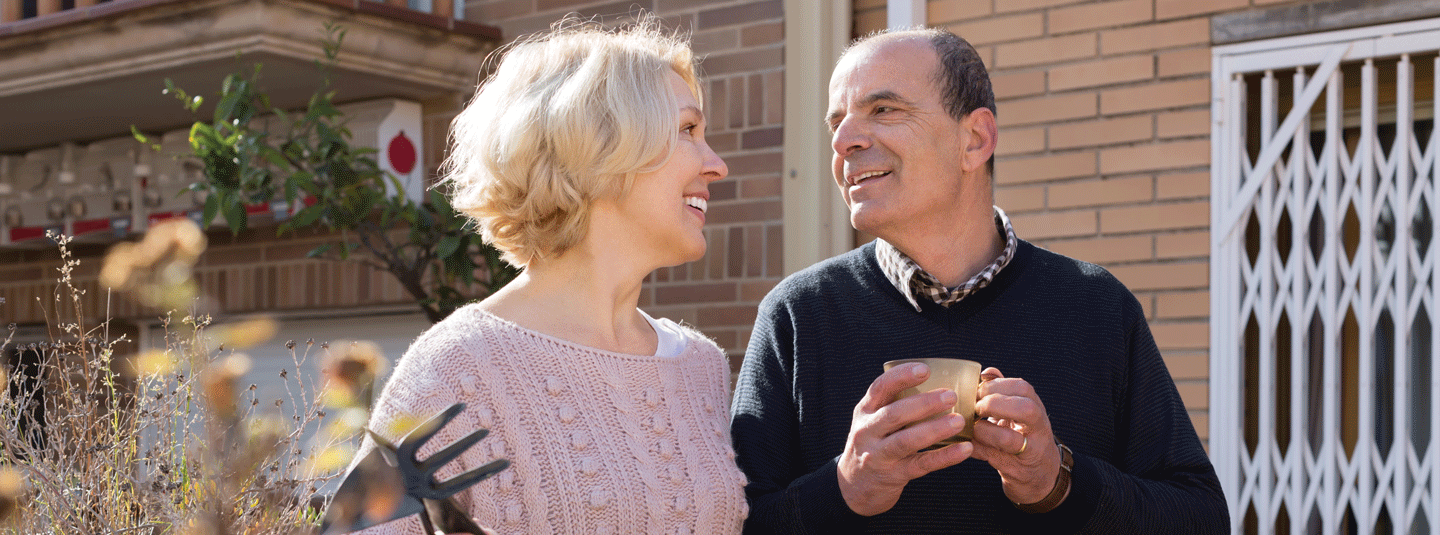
pixel 899 156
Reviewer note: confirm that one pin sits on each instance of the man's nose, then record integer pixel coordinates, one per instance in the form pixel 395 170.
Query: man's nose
pixel 849 136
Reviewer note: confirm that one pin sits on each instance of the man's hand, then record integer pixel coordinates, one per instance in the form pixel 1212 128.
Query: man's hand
pixel 1012 433
pixel 882 455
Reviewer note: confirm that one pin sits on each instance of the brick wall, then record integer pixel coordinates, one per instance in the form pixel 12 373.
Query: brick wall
pixel 252 273
pixel 743 68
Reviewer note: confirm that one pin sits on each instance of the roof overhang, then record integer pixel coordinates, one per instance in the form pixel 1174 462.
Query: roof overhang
pixel 92 73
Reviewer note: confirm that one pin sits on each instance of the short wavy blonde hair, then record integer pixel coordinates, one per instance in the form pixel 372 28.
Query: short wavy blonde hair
pixel 570 116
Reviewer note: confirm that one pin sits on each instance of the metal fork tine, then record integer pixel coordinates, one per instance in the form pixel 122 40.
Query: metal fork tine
pixel 379 440
pixel 465 480
pixel 426 431
pixel 440 458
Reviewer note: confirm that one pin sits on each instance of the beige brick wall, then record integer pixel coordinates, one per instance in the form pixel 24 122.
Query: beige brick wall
pixel 742 43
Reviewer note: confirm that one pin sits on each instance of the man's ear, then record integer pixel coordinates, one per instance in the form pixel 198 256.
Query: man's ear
pixel 980 143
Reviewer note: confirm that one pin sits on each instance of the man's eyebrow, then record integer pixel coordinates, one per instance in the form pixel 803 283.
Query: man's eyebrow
pixel 870 99
pixel 884 95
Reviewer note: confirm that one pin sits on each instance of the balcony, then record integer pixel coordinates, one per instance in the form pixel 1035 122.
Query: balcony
pixel 76 71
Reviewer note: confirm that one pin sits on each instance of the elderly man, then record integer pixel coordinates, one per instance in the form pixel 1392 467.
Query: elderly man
pixel 1081 428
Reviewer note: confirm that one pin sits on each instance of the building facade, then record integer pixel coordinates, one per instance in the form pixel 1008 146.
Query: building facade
pixel 1260 173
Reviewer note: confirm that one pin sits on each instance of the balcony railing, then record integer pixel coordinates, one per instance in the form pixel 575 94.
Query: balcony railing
pixel 62 11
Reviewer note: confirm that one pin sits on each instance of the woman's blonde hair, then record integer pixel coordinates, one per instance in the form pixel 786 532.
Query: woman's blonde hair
pixel 570 116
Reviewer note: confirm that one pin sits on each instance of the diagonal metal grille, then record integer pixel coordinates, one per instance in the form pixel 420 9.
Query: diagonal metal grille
pixel 1325 411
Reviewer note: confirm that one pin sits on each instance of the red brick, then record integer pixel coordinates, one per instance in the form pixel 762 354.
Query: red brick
pixel 939 12
pixel 743 212
pixel 762 138
pixel 1156 96
pixel 775 97
pixel 762 34
pixel 735 252
pixel 1100 132
pixel 754 251
pixel 1163 276
pixel 1100 192
pixel 1194 304
pixel 1170 9
pixel 751 163
pixel 1099 15
pixel 756 102
pixel 774 250
pixel 752 291
pixel 713 41
pixel 752 188
pixel 1186 365
pixel 742 62
pixel 715 292
pixel 1045 109
pixel 1049 50
pixel 1020 199
pixel 1179 186
pixel 1183 124
pixel 1195 394
pixel 1017 84
pixel 1105 250
pixel 868 22
pixel 1155 36
pixel 741 14
pixel 1042 168
pixel 1183 245
pixel 1106 71
pixel 1151 156
pixel 1183 62
pixel 1055 224
pixel 1020 141
pixel 1151 217
pixel 999 29
pixel 727 315
pixel 1026 5
pixel 1187 335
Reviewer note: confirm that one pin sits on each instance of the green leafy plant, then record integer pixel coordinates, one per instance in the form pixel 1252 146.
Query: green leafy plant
pixel 309 160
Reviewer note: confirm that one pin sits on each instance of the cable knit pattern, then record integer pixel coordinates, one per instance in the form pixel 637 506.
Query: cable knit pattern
pixel 599 442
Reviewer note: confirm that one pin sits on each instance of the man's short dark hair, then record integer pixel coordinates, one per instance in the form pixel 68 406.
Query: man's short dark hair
pixel 963 81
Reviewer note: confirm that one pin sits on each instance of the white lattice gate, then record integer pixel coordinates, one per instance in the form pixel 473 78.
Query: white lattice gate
pixel 1325 416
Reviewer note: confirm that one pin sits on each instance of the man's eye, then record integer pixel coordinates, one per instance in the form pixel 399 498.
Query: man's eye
pixel 883 109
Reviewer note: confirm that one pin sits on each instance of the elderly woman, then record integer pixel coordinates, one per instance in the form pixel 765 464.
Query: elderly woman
pixel 583 159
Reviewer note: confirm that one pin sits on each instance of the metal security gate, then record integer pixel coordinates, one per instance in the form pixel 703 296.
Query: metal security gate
pixel 1325 411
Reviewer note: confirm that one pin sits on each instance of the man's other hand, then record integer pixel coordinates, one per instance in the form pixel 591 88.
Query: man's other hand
pixel 1012 433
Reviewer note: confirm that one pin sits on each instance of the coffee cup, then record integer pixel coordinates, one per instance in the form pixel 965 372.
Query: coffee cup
pixel 959 375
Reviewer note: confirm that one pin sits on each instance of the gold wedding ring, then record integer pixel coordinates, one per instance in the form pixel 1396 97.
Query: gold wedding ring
pixel 1023 445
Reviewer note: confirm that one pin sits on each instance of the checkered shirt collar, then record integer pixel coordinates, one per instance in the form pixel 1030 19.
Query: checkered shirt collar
pixel 914 282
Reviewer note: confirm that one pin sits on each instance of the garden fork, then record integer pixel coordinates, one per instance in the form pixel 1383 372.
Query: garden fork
pixel 389 473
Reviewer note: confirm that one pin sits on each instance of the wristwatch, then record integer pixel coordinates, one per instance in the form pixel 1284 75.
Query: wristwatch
pixel 1062 484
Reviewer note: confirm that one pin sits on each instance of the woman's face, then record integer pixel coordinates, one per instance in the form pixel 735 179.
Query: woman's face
pixel 667 206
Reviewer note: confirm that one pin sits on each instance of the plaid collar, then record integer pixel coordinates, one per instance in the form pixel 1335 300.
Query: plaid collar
pixel 914 282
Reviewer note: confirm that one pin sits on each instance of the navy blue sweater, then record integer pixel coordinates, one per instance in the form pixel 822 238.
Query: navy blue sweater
pixel 1067 327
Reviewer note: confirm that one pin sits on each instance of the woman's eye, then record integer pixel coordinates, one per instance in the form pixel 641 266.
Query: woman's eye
pixel 689 129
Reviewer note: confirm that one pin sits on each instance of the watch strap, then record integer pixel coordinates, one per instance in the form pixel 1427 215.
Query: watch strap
pixel 1062 485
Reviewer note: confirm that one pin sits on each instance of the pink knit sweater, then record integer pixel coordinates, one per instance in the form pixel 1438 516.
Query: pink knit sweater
pixel 598 442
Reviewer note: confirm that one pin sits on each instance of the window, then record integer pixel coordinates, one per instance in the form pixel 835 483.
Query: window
pixel 1324 399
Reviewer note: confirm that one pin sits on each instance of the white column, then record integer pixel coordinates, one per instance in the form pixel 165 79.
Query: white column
pixel 902 14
